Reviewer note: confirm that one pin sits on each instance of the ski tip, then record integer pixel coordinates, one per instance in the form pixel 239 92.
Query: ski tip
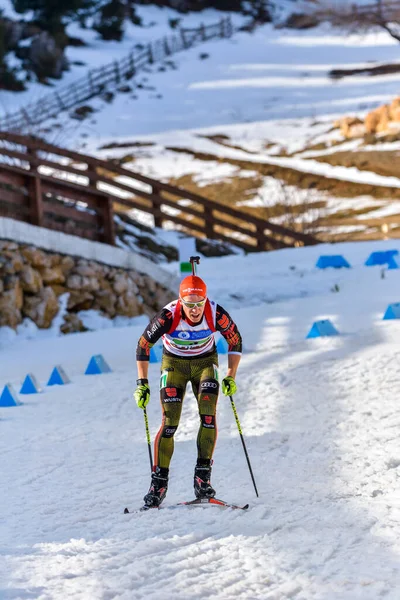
pixel 245 507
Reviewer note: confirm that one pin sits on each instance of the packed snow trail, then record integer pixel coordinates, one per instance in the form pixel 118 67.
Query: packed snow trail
pixel 320 420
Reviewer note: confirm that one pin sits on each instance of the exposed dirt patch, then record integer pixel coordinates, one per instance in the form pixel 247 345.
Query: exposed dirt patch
pixel 303 180
pixel 304 212
pixel 295 216
pixel 112 145
pixel 319 147
pixel 386 69
pixel 386 163
pixel 223 140
pixel 227 192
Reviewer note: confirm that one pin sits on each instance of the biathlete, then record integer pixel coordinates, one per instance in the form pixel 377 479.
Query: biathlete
pixel 187 327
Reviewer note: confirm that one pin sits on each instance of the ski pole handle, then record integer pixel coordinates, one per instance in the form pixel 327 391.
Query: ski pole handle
pixel 146 424
pixel 243 443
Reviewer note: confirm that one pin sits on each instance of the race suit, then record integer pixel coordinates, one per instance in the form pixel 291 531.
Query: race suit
pixel 189 355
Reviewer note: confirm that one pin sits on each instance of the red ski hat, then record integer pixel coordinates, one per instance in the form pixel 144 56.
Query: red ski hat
pixel 192 285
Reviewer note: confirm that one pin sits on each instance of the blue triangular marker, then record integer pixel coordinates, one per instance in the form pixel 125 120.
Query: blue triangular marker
pixel 222 346
pixel 332 260
pixel 321 329
pixel 380 257
pixel 97 365
pixel 58 376
pixel 9 397
pixel 392 312
pixel 156 353
pixel 30 385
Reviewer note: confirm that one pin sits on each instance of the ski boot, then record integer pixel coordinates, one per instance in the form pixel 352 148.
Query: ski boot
pixel 202 475
pixel 158 488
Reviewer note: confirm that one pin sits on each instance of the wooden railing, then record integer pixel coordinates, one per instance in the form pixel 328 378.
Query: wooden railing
pixel 369 13
pixel 75 193
pixel 96 80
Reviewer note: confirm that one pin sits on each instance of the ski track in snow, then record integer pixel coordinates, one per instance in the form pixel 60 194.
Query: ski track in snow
pixel 321 423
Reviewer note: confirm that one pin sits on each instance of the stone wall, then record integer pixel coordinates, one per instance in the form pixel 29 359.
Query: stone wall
pixel 32 280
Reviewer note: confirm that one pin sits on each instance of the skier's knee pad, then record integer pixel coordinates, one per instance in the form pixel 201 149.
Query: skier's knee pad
pixel 208 421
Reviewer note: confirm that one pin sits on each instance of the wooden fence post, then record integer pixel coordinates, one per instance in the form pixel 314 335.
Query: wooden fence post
pixel 92 88
pixel 208 222
pixel 183 36
pixel 203 32
pixel 156 205
pixel 150 54
pixel 167 50
pixel 222 28
pixel 91 172
pixel 260 237
pixel 107 214
pixel 132 63
pixel 117 73
pixel 34 190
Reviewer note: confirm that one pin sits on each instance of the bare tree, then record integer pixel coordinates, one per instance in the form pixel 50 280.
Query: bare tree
pixel 382 13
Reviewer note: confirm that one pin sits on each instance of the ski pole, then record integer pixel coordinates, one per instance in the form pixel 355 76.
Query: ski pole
pixel 146 424
pixel 244 445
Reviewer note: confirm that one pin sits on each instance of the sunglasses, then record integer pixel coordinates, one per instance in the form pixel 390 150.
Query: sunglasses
pixel 193 304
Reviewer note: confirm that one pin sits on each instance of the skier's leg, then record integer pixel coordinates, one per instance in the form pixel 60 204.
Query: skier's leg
pixel 206 387
pixel 172 391
pixel 171 406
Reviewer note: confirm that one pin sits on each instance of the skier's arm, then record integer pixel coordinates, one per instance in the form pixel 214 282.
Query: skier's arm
pixel 142 369
pixel 233 363
pixel 159 324
pixel 228 328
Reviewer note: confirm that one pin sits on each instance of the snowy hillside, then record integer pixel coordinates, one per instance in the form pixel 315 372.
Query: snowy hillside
pixel 249 121
pixel 320 418
pixel 268 74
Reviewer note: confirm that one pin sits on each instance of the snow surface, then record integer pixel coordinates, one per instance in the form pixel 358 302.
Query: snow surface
pixel 320 419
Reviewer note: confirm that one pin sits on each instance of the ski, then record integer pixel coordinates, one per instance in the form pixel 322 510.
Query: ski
pixel 212 501
pixel 196 502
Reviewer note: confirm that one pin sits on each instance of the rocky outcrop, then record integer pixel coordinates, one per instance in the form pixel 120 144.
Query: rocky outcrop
pixel 350 127
pixel 32 280
pixel 384 119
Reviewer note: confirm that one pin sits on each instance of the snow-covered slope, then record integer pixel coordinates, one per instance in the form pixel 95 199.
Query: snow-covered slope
pixel 320 418
pixel 268 74
pixel 239 108
pixel 97 52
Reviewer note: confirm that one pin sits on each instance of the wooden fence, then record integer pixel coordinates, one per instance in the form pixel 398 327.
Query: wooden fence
pixel 78 194
pixel 96 81
pixel 386 10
